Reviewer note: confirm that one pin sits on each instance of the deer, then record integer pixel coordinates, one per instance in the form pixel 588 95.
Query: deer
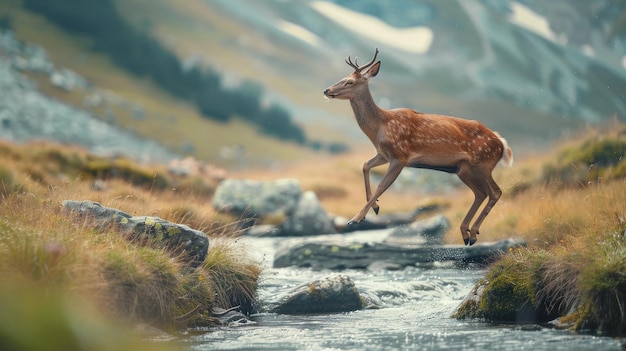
pixel 403 138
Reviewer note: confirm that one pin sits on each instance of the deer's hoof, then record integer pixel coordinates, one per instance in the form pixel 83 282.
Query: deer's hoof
pixel 470 241
pixel 376 209
pixel 352 222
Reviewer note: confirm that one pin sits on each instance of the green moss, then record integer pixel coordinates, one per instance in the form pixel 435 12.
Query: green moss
pixel 510 291
pixel 470 307
pixel 601 152
pixel 510 294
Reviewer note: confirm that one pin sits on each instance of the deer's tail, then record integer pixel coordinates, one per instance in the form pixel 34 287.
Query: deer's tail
pixel 507 153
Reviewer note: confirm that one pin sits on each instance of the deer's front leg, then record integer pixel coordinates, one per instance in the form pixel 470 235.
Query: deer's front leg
pixel 395 167
pixel 375 161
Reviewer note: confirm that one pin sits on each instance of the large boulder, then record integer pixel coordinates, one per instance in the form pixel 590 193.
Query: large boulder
pixel 256 199
pixel 280 201
pixel 331 294
pixel 308 218
pixel 341 255
pixel 189 245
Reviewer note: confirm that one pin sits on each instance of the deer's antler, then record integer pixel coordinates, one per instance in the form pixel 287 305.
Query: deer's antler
pixel 356 66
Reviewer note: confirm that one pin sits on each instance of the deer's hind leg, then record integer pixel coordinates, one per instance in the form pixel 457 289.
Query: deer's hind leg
pixel 479 187
pixel 494 193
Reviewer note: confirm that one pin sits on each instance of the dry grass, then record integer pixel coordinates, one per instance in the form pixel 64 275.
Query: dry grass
pixel 54 259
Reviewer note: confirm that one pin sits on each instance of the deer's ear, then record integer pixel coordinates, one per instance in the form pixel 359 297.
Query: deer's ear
pixel 372 71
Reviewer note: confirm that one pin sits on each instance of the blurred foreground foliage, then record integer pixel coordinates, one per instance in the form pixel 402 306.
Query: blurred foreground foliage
pixel 67 286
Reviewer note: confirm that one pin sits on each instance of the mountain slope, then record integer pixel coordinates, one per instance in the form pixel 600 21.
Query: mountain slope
pixel 500 62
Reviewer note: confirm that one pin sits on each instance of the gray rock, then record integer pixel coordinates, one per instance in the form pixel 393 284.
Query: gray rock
pixel 233 318
pixel 256 199
pixel 425 232
pixel 262 230
pixel 308 218
pixel 190 245
pixel 68 80
pixel 331 294
pixel 328 255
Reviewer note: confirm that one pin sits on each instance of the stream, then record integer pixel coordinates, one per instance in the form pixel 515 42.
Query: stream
pixel 416 305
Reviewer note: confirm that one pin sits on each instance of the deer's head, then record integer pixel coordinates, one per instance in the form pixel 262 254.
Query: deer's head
pixel 356 82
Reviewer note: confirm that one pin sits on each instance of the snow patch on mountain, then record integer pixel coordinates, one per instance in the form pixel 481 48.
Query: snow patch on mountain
pixel 414 39
pixel 299 32
pixel 532 21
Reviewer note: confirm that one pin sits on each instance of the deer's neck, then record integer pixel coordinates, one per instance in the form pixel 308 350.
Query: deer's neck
pixel 368 115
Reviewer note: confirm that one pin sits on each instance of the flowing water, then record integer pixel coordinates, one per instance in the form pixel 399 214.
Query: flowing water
pixel 414 314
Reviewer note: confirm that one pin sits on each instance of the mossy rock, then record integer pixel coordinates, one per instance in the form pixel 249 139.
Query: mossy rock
pixel 508 293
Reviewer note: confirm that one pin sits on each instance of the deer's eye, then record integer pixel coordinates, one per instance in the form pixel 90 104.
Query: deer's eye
pixel 349 82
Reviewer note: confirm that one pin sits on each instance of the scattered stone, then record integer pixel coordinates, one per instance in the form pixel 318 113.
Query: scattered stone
pixel 68 80
pixel 332 294
pixel 189 166
pixel 231 317
pixel 189 245
pixel 139 113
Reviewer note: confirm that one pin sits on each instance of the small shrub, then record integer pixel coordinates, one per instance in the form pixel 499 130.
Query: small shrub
pixel 101 168
pixel 593 159
pixel 7 183
pixel 195 185
pixel 143 285
pixel 234 281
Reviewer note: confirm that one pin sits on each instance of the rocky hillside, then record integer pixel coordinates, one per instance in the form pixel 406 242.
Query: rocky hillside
pixel 27 114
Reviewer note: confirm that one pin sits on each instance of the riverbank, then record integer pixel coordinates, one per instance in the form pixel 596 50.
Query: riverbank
pixel 573 217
